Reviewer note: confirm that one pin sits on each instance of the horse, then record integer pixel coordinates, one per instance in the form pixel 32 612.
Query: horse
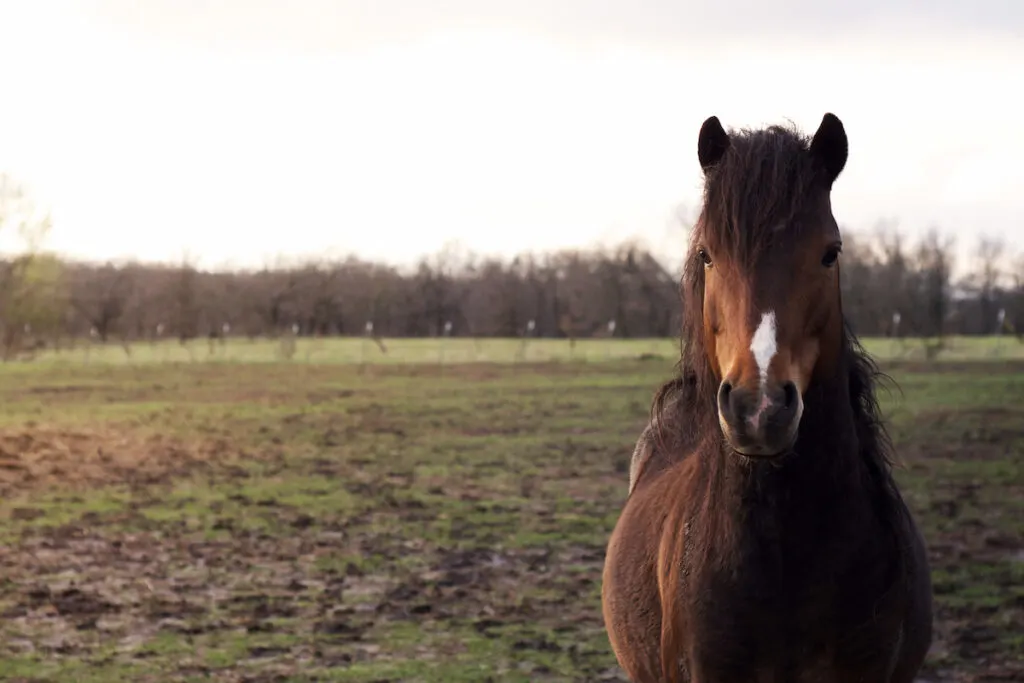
pixel 764 538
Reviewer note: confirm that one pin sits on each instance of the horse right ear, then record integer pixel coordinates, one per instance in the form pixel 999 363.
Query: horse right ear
pixel 712 142
pixel 830 146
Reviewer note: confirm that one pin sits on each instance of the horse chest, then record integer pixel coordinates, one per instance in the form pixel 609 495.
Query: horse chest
pixel 760 611
pixel 780 605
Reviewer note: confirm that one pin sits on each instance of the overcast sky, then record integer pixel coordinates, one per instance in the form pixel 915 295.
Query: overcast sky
pixel 240 130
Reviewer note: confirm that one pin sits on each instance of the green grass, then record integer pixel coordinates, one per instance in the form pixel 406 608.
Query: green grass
pixel 302 521
pixel 457 350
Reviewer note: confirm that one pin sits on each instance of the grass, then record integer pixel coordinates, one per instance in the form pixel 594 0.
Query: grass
pixel 457 350
pixel 321 521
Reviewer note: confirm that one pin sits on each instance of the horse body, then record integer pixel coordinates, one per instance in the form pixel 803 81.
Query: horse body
pixel 806 578
pixel 747 557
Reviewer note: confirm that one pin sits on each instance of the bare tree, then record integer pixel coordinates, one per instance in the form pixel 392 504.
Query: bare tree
pixel 935 264
pixel 988 275
pixel 100 296
pixel 185 301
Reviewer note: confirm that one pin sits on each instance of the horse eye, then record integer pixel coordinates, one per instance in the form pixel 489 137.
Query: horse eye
pixel 831 256
pixel 704 257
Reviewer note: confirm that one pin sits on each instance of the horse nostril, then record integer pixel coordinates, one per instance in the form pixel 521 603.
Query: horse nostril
pixel 789 394
pixel 724 392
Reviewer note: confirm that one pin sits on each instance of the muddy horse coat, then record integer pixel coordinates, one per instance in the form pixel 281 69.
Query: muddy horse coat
pixel 764 538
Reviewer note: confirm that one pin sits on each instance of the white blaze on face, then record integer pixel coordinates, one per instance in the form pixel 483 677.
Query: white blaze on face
pixel 763 344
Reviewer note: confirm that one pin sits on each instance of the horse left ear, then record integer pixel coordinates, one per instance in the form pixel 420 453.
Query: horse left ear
pixel 712 143
pixel 830 146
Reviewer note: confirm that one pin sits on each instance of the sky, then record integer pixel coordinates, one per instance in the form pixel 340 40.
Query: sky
pixel 243 131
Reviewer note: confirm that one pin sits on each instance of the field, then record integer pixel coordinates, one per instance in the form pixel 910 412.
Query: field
pixel 436 513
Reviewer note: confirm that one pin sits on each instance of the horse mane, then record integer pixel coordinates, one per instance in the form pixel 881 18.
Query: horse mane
pixel 762 181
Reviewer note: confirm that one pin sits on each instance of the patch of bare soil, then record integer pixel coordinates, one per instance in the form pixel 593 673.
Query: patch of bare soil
pixel 132 589
pixel 37 458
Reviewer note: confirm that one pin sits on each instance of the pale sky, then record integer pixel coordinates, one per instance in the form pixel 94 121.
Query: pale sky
pixel 242 130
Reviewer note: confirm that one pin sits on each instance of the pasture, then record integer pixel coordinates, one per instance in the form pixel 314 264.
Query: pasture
pixel 446 351
pixel 435 513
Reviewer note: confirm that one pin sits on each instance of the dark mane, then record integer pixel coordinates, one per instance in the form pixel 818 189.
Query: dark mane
pixel 762 181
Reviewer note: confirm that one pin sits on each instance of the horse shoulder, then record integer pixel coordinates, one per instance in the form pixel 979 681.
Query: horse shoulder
pixel 641 454
pixel 648 458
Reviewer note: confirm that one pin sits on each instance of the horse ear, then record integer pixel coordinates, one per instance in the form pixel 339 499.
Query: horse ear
pixel 830 146
pixel 712 142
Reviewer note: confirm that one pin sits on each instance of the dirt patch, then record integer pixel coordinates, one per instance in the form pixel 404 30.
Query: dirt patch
pixel 975 432
pixel 61 389
pixel 266 588
pixel 46 458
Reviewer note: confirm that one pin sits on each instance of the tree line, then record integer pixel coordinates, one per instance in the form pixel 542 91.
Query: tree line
pixel 891 286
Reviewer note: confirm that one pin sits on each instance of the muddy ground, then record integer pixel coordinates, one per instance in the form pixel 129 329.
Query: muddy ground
pixel 295 523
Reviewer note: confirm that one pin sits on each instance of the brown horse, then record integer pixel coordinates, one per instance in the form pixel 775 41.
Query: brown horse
pixel 764 538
